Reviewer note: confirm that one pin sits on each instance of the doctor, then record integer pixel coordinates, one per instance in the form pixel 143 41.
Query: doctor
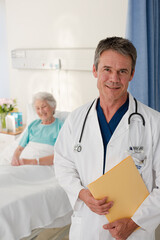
pixel 97 136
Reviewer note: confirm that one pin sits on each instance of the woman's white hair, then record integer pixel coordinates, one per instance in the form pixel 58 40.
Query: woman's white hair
pixel 45 96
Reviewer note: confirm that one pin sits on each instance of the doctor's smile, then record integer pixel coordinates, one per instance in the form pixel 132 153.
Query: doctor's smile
pixel 113 85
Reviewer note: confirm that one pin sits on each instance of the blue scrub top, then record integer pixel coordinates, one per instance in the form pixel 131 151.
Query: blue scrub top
pixel 107 129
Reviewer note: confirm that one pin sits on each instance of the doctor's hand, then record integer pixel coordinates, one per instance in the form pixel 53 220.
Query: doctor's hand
pixel 122 228
pixel 100 207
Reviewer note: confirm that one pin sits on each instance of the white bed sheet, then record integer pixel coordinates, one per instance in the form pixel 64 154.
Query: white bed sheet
pixel 30 197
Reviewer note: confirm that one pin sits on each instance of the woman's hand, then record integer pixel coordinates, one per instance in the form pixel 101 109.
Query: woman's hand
pixel 15 161
pixel 16 155
pixel 24 161
pixel 45 161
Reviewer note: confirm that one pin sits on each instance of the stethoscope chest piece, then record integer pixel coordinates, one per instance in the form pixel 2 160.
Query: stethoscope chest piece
pixel 78 148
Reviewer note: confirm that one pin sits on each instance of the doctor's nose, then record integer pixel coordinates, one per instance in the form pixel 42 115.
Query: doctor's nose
pixel 115 77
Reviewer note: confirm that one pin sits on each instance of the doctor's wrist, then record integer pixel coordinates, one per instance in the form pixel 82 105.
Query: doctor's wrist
pixel 83 194
pixel 133 225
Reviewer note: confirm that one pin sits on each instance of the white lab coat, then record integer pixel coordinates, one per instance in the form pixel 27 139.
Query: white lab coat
pixel 75 170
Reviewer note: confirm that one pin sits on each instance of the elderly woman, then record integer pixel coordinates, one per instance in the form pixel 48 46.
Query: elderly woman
pixel 36 147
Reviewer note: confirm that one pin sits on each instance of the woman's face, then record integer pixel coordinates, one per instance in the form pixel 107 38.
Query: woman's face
pixel 44 110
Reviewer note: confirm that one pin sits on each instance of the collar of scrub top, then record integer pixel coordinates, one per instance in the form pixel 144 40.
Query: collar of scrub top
pixel 107 129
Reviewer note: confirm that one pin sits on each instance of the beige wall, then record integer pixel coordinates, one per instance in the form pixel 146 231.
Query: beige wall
pixel 60 24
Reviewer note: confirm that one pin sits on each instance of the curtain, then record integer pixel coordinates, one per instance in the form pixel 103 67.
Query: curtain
pixel 143 29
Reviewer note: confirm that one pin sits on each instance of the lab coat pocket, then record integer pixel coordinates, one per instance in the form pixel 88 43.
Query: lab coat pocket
pixel 75 230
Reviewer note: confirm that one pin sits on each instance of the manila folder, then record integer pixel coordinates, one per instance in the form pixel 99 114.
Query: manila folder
pixel 124 186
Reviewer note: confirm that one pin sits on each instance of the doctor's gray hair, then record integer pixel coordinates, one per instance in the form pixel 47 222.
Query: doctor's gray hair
pixel 48 97
pixel 118 44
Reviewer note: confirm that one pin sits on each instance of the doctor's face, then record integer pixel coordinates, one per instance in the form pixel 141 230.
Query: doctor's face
pixel 113 75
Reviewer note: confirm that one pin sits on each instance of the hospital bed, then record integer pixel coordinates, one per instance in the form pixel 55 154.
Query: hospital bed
pixel 30 198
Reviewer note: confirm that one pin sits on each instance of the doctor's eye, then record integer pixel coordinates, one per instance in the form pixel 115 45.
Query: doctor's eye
pixel 107 69
pixel 123 71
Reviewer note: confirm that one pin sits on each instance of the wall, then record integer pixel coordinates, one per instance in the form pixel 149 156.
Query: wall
pixel 60 24
pixel 4 74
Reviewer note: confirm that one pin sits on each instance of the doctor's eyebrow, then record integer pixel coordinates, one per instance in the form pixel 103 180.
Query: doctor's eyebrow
pixel 107 67
pixel 125 70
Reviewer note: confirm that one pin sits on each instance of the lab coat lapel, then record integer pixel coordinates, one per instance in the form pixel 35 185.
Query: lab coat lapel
pixel 98 149
pixel 117 148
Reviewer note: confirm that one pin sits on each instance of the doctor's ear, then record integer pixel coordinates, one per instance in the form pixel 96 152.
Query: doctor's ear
pixel 132 74
pixel 94 71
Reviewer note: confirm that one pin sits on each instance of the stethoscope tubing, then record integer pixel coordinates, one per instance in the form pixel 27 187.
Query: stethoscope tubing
pixel 136 113
pixel 78 147
pixel 84 123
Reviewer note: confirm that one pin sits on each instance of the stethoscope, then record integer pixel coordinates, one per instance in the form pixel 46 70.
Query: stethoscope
pixel 78 147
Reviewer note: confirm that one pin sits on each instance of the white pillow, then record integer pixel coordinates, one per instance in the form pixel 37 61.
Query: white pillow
pixel 32 115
